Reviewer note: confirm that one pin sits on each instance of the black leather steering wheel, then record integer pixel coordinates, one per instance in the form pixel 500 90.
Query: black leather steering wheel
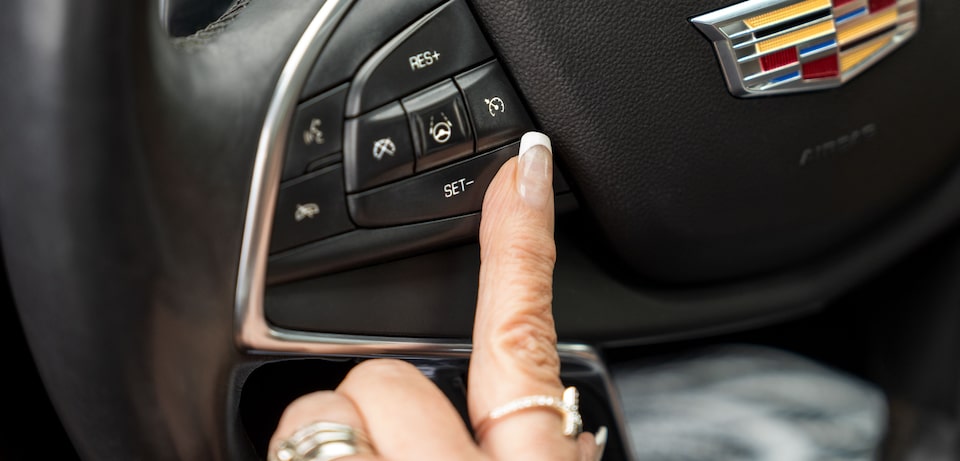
pixel 137 146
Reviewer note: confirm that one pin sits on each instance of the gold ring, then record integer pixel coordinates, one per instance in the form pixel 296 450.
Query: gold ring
pixel 567 406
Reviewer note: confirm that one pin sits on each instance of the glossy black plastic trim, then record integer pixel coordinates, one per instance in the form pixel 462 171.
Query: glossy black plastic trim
pixel 366 246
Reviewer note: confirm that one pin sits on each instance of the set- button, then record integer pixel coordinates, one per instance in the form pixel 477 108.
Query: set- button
pixel 452 190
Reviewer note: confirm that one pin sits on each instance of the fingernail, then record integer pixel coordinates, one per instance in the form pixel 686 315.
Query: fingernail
pixel 601 438
pixel 535 181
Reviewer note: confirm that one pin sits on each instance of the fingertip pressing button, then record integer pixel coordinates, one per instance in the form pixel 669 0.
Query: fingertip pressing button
pixel 452 190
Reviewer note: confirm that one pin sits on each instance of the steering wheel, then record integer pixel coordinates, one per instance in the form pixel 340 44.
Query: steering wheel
pixel 199 197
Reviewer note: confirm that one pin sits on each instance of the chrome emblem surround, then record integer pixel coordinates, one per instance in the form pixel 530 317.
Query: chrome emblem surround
pixel 769 47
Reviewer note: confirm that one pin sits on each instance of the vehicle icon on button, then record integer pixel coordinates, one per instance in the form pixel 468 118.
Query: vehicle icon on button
pixel 306 211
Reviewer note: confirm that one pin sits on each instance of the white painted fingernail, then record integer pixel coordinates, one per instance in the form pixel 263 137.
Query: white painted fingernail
pixel 535 169
pixel 533 138
pixel 601 438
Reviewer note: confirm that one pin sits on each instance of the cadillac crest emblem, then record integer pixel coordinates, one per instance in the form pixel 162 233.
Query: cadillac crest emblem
pixel 771 47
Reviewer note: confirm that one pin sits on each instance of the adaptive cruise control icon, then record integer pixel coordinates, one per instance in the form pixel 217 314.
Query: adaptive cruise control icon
pixel 787 46
pixel 495 106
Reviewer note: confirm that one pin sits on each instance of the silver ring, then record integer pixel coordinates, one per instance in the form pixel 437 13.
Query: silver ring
pixel 322 441
pixel 568 406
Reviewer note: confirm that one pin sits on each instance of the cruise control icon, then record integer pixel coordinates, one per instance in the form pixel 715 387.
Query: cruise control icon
pixel 495 105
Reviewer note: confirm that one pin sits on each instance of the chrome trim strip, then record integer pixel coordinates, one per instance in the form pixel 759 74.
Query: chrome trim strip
pixel 817 53
pixel 848 7
pixel 706 22
pixel 793 77
pixel 821 50
pixel 754 41
pixel 355 93
pixel 772 74
pixel 908 17
pixel 752 30
pixel 251 329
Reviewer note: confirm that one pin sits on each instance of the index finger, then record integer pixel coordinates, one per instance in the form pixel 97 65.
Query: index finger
pixel 514 338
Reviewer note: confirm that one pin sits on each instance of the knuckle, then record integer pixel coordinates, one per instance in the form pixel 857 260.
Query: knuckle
pixel 304 408
pixel 383 368
pixel 312 399
pixel 530 339
pixel 532 249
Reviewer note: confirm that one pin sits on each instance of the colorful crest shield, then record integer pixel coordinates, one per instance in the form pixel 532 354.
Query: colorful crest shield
pixel 786 46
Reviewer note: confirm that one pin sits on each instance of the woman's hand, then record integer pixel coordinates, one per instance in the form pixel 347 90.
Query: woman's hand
pixel 406 417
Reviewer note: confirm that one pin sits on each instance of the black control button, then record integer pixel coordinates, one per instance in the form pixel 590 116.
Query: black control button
pixel 316 131
pixel 449 191
pixel 498 114
pixel 444 42
pixel 440 126
pixel 310 208
pixel 377 148
pixel 365 28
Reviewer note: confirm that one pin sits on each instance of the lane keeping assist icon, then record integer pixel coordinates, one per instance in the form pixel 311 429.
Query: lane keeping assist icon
pixel 441 131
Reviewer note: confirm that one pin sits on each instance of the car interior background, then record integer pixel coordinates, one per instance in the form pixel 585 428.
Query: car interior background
pixel 211 207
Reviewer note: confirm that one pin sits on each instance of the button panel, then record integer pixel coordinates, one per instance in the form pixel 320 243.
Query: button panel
pixel 475 112
pixel 378 148
pixel 439 125
pixel 407 130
